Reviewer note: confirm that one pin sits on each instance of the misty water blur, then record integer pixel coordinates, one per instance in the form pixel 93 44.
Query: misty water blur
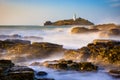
pixel 58 35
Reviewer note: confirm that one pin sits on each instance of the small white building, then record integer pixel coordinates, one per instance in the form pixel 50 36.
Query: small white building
pixel 74 17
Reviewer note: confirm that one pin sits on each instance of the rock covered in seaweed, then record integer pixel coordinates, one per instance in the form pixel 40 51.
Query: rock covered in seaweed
pixel 79 54
pixel 102 51
pixel 70 65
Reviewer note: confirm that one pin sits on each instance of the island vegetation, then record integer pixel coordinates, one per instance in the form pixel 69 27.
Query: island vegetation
pixel 78 21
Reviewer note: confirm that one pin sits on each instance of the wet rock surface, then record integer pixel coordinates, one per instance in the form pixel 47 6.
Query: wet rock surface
pixel 70 65
pixel 18 50
pixel 83 30
pixel 20 69
pixel 42 73
pixel 24 75
pixel 104 30
pixel 10 72
pixel 115 73
pixel 6 64
pixel 101 51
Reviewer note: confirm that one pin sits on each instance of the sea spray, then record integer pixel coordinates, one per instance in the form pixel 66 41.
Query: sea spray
pixel 63 37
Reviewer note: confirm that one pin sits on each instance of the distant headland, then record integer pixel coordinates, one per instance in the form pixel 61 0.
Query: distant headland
pixel 74 21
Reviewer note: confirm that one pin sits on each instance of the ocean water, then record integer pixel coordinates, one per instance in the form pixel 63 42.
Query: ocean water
pixel 54 34
pixel 59 35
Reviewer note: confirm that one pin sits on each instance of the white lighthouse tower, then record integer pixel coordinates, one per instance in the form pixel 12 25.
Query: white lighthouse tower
pixel 74 17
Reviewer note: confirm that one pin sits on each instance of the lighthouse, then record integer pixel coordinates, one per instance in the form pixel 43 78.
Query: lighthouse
pixel 74 17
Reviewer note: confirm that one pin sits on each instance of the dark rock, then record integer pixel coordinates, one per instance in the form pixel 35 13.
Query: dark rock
pixel 20 73
pixel 70 65
pixel 6 64
pixel 73 66
pixel 59 66
pixel 106 51
pixel 11 36
pixel 100 51
pixel 114 32
pixel 1 72
pixel 32 37
pixel 103 42
pixel 48 23
pixel 8 43
pixel 24 75
pixel 46 45
pixel 17 41
pixel 20 68
pixel 41 73
pixel 115 73
pixel 45 79
pixel 87 66
pixel 10 72
pixel 65 62
pixel 16 36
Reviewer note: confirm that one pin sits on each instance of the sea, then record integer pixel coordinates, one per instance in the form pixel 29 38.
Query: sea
pixel 59 35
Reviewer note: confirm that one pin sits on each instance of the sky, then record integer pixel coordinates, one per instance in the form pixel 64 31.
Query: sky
pixel 36 12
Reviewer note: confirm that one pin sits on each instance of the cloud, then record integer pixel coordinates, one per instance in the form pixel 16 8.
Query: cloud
pixel 115 3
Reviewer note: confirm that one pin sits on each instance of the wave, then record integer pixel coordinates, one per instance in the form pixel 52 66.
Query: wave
pixel 60 35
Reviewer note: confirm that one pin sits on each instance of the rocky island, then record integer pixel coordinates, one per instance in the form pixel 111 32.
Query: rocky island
pixel 77 21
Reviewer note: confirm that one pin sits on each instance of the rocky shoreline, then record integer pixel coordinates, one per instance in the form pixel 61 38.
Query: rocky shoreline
pixel 100 51
pixel 10 71
pixel 88 58
pixel 104 30
pixel 18 50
